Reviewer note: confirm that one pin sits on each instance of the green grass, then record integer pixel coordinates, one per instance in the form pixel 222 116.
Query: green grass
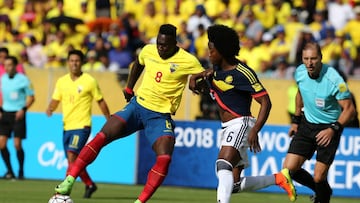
pixel 39 191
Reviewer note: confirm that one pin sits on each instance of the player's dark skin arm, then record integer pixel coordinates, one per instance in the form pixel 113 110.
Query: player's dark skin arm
pixel 134 75
pixel 264 111
pixel 194 78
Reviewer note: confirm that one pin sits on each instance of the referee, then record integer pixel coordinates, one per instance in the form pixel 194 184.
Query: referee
pixel 18 96
pixel 326 102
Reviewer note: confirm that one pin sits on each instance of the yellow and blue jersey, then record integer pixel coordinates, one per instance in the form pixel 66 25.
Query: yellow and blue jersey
pixel 320 96
pixel 164 79
pixel 76 98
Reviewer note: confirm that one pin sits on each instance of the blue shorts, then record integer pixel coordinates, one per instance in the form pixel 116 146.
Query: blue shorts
pixel 153 123
pixel 75 140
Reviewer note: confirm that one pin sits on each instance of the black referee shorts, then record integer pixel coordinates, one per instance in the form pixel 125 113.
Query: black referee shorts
pixel 8 125
pixel 304 143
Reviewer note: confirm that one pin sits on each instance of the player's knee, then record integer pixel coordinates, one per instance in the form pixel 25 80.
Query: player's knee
pixel 318 178
pixel 162 163
pixel 222 164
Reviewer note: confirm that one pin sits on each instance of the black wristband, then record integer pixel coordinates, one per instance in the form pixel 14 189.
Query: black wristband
pixel 295 119
pixel 24 108
pixel 337 127
pixel 1 109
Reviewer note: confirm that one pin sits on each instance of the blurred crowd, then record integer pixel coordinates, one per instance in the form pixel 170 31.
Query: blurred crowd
pixel 110 32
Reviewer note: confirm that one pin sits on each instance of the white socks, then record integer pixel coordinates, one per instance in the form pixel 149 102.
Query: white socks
pixel 251 183
pixel 225 185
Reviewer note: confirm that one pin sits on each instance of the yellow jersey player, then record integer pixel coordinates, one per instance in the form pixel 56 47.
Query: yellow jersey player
pixel 76 91
pixel 166 70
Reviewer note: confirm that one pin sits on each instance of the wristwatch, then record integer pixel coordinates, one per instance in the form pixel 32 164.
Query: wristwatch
pixel 336 126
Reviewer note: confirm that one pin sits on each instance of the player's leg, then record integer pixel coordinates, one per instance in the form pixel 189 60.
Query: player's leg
pixel 111 130
pixel 163 146
pixel 19 135
pixel 114 128
pixel 5 154
pixel 20 156
pixel 6 125
pixel 304 178
pixel 233 152
pixel 291 165
pixel 76 141
pixel 252 183
pixel 324 158
pixel 224 167
pixel 90 186
pixel 301 148
pixel 323 190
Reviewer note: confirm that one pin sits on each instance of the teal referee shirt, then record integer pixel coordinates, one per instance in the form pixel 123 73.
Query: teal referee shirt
pixel 320 96
pixel 14 91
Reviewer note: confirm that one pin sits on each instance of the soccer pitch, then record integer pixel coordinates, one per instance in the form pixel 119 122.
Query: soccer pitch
pixel 38 191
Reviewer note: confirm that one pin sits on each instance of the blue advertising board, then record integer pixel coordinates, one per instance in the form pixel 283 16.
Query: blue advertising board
pixel 197 145
pixel 45 157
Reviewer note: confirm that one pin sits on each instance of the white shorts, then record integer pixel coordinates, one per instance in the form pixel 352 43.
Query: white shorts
pixel 235 133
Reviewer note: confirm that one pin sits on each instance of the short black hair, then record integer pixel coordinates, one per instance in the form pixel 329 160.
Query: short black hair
pixel 225 40
pixel 5 50
pixel 13 59
pixel 168 29
pixel 77 52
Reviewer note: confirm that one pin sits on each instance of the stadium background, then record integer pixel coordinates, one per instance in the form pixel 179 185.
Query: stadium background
pixel 126 161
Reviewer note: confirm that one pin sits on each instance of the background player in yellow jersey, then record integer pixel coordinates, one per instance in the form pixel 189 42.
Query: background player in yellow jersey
pixel 166 70
pixel 76 91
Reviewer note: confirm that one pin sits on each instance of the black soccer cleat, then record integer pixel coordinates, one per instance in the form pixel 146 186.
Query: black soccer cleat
pixel 89 190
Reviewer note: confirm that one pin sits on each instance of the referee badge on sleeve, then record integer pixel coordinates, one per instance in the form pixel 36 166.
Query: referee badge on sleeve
pixel 342 87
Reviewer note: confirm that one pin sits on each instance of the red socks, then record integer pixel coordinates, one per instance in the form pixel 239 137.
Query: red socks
pixel 84 176
pixel 87 155
pixel 156 176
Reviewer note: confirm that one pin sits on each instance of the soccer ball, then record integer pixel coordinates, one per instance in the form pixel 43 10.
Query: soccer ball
pixel 59 198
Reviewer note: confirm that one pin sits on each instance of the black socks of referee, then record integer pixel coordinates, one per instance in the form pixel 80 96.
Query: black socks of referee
pixel 322 189
pixel 6 157
pixel 304 178
pixel 21 156
pixel 323 192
